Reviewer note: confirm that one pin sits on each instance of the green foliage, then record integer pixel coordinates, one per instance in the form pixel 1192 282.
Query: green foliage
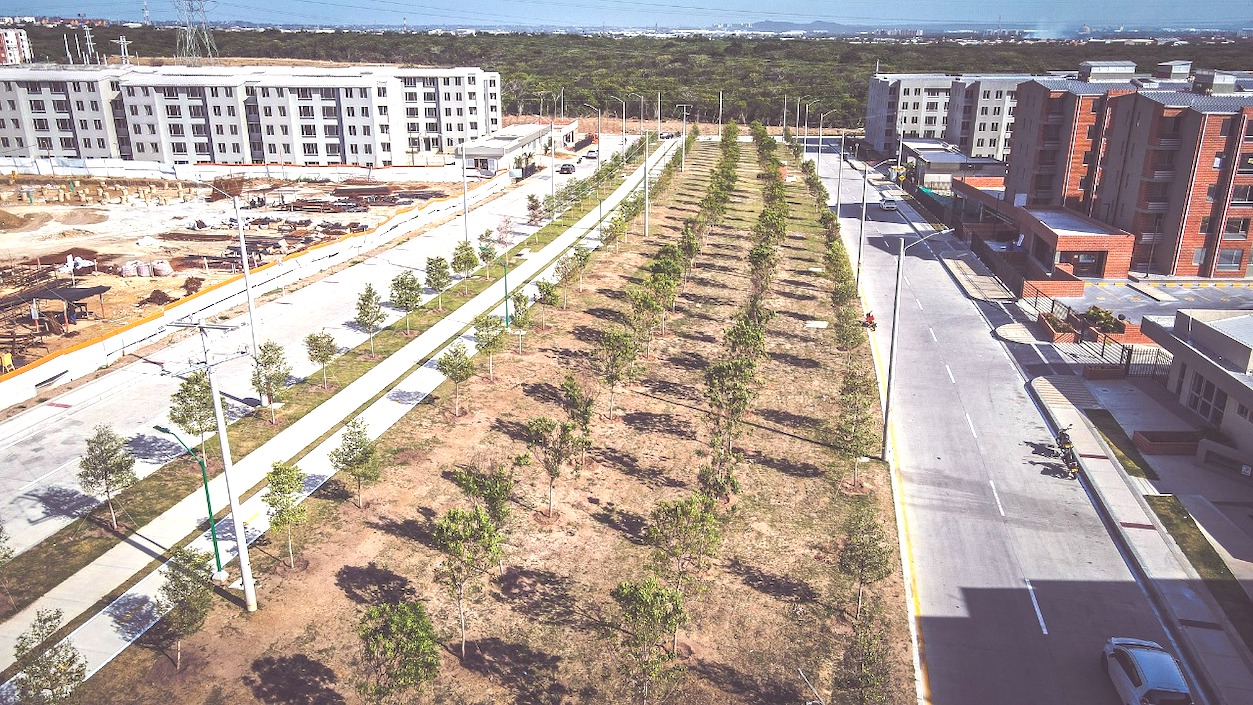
pixel 357 456
pixel 107 467
pixel 186 596
pixel 644 317
pixel 718 480
pixel 520 320
pixel 729 389
pixel 546 296
pixel 191 407
pixel 457 366
pixel 400 650
pixel 534 210
pixel 864 673
pixel 616 357
pixel 270 371
pixel 438 278
pixel 554 443
pixel 489 337
pixel 1103 320
pixel 321 349
pixel 650 612
pixel 745 339
pixel 470 543
pixel 685 535
pixel 47 676
pixel 464 260
pixel 406 294
pixel 848 329
pixel 285 484
pixel 491 485
pixel 369 312
pixel 578 398
pixel 856 430
pixel 487 248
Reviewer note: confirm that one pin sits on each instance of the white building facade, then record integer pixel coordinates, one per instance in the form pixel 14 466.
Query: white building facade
pixel 373 116
pixel 14 47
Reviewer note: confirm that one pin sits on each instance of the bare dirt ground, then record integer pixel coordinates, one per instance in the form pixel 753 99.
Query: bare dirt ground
pixel 540 634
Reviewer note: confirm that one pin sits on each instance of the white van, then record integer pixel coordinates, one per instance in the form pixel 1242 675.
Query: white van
pixel 889 203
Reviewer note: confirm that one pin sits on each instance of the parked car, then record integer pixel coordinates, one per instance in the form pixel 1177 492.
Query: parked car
pixel 566 168
pixel 1144 673
pixel 592 154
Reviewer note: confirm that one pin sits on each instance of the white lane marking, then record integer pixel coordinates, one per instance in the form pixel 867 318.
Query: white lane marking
pixel 906 280
pixel 933 335
pixel 919 302
pixel 1038 615
pixel 972 426
pixel 996 495
pixel 950 374
pixel 44 476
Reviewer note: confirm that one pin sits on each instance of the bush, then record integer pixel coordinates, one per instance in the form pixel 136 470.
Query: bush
pixel 1103 320
pixel 1057 324
pixel 192 284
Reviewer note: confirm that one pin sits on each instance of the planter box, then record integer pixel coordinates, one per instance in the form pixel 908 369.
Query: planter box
pixel 1166 442
pixel 1055 336
pixel 1104 372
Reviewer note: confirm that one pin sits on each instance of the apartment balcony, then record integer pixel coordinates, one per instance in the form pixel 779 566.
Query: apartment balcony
pixel 1156 206
pixel 1050 168
pixel 1162 175
pixel 1050 144
pixel 1167 142
pixel 1053 118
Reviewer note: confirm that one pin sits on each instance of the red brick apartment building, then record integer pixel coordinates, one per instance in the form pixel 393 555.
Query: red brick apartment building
pixel 1166 159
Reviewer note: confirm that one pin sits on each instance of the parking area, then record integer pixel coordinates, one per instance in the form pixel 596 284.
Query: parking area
pixel 1123 299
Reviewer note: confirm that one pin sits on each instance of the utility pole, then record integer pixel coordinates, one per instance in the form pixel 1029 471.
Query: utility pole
pixel 683 159
pixel 719 110
pixel 237 521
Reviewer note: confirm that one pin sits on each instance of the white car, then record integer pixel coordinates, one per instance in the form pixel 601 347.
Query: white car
pixel 889 203
pixel 592 154
pixel 1144 673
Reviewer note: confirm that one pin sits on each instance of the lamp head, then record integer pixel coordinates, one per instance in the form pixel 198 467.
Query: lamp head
pixel 162 429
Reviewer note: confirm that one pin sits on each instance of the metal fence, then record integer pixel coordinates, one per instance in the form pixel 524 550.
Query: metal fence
pixel 1047 304
pixel 1001 267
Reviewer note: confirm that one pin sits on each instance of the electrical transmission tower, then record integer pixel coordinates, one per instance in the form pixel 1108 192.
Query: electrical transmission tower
pixel 194 40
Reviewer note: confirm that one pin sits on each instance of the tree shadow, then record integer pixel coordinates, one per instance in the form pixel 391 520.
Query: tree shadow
pixel 794 295
pixel 373 584
pixel 802 469
pixel 132 615
pixel 627 523
pixel 780 587
pixel 789 419
pixel 610 315
pixel 666 388
pixel 697 337
pixel 541 595
pixel 805 363
pixel 59 501
pixel 407 398
pixel 543 391
pixel 688 360
pixel 800 284
pixel 293 680
pixel 530 674
pixel 649 422
pixel 515 430
pixel 153 448
pixel 630 465
pixel 334 490
pixel 586 334
pixel 417 529
pixel 752 690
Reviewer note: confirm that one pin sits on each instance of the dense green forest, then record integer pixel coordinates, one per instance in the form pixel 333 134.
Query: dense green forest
pixel 755 75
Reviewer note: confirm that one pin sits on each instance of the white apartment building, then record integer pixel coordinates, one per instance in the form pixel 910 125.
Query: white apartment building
pixel 972 111
pixel 14 47
pixel 311 116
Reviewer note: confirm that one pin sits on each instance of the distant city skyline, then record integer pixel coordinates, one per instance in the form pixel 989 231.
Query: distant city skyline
pixel 1047 17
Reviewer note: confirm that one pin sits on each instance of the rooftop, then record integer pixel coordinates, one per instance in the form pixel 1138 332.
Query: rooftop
pixel 1067 223
pixel 1220 103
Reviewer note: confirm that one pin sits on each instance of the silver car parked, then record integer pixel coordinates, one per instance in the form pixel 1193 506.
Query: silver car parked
pixel 1144 673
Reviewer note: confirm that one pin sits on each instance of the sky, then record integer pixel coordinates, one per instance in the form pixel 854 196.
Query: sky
pixel 1030 14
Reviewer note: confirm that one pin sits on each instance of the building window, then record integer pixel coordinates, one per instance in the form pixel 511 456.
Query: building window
pixel 1206 399
pixel 1242 195
pixel 178 147
pixel 1236 229
pixel 306 111
pixel 1229 260
pixel 1206 224
pixel 308 131
pixel 1245 165
pixel 310 150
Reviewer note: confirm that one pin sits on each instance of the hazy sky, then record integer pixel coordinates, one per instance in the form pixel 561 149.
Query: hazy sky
pixel 684 13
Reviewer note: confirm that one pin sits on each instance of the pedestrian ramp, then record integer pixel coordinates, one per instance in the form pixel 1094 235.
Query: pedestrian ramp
pixel 1065 389
pixel 974 279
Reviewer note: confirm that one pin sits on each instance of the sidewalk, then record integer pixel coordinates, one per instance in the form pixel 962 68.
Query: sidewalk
pixel 1224 666
pixel 106 634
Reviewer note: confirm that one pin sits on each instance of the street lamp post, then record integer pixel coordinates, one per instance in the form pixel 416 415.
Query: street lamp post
pixel 806 139
pixel 243 255
pixel 861 228
pixel 614 97
pixel 600 206
pixel 644 137
pixel 683 159
pixel 819 165
pixel 798 112
pixel 839 175
pixel 896 315
pixel 219 576
pixel 465 195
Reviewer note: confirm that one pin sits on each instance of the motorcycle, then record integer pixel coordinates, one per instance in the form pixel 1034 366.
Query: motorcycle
pixel 869 322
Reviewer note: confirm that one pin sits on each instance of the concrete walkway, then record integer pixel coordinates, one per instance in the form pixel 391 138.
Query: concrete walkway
pixel 104 636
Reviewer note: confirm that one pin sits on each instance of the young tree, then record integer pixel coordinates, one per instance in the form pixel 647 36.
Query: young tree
pixel 400 650
pixel 855 434
pixel 487 249
pixel 615 359
pixel 645 314
pixel 464 260
pixel 321 349
pixel 107 468
pixel 438 278
pixel 729 390
pixel 186 596
pixel 286 484
pixel 665 290
pixel 269 374
pixel 489 338
pixel 457 366
pixel 191 408
pixel 406 294
pixel 520 320
pixel 489 485
pixel 47 677
pixel 6 555
pixel 357 456
pixel 471 545
pixel 578 398
pixel 582 258
pixel 554 443
pixel 369 312
pixel 567 272
pixel 534 210
pixel 717 479
pixel 745 339
pixel 848 329
pixel 867 555
pixel 684 534
pixel 864 673
pixel 506 229
pixel 546 296
pixel 651 612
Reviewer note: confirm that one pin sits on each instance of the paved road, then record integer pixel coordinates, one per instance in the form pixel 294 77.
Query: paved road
pixel 1017 581
pixel 40 449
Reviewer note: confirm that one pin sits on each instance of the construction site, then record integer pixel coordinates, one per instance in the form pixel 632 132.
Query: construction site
pixel 79 257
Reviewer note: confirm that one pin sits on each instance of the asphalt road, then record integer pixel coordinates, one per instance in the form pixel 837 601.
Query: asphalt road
pixel 1018 583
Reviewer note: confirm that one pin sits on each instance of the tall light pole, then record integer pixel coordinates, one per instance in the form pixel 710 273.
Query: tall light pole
pixel 818 170
pixel 806 139
pixel 465 195
pixel 614 97
pixel 658 114
pixel 839 175
pixel 237 521
pixel 644 137
pixel 243 255
pixel 798 111
pixel 785 112
pixel 600 223
pixel 719 111
pixel 683 159
pixel 861 228
pixel 896 315
pixel 204 478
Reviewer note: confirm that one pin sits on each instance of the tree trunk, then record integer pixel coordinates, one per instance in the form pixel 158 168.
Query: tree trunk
pixel 178 654
pixel 491 376
pixel 291 556
pixel 551 483
pixel 359 504
pixel 407 312
pixel 456 399
pixel 324 386
pixel 112 514
pixel 371 342
pixel 461 611
pixel 273 419
pixel 611 390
